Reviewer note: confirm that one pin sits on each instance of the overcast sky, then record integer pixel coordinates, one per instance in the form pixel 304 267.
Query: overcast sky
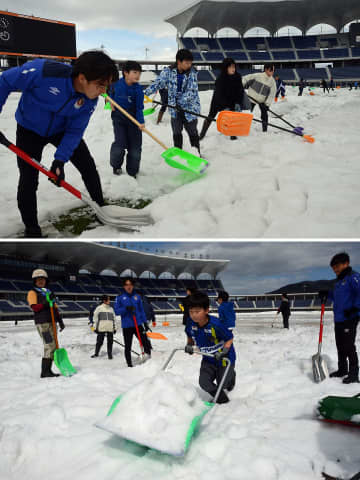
pixel 125 28
pixel 260 267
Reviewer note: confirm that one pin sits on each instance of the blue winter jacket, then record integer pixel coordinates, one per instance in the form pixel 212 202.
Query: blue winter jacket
pixel 130 98
pixel 227 314
pixel 49 104
pixel 129 300
pixel 346 296
pixel 211 337
pixel 187 98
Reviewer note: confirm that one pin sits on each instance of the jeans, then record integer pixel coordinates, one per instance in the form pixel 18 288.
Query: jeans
pixel 127 137
pixel 177 125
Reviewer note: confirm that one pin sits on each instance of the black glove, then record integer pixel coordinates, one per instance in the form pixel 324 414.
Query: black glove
pixel 220 355
pixel 146 326
pixel 189 349
pixel 130 309
pixel 57 167
pixel 351 313
pixel 114 332
pixel 323 295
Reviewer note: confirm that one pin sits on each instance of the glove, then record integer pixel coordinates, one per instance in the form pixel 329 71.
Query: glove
pixel 130 309
pixel 114 332
pixel 351 313
pixel 146 326
pixel 189 349
pixel 220 355
pixel 323 295
pixel 57 167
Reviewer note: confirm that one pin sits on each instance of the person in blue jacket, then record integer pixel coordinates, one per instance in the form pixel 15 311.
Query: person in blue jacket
pixel 226 310
pixel 210 336
pixel 346 306
pixel 55 107
pixel 128 93
pixel 180 80
pixel 129 306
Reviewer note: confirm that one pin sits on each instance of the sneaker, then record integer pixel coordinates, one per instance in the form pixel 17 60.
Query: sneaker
pixel 110 356
pixel 95 355
pixel 233 137
pixel 117 171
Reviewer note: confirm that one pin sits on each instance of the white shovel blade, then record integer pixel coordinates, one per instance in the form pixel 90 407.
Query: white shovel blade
pixel 320 370
pixel 123 213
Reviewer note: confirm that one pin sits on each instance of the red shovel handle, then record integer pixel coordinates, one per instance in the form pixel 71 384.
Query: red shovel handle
pixel 34 163
pixel 321 322
pixel 138 334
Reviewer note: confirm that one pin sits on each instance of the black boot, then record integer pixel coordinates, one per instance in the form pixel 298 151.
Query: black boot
pixel 204 129
pixel 338 374
pixel 195 142
pixel 351 378
pixel 178 141
pixel 46 368
pixel 33 232
pixel 222 398
pixel 233 137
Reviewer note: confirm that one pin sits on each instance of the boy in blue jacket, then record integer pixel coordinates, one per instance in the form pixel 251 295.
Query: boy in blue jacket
pixel 55 107
pixel 128 93
pixel 129 305
pixel 210 336
pixel 346 306
pixel 226 311
pixel 180 79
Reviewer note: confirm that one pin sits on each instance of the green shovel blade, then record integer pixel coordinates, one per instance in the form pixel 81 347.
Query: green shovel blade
pixel 107 106
pixel 149 111
pixel 63 363
pixel 177 158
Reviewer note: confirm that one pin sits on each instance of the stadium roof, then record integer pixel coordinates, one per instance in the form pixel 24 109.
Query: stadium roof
pixel 96 258
pixel 271 15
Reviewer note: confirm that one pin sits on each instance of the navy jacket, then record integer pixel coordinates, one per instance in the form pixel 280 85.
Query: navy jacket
pixel 130 98
pixel 346 296
pixel 49 104
pixel 126 300
pixel 227 314
pixel 210 338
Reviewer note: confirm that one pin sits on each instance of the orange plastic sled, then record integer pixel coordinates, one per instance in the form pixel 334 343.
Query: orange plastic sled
pixel 156 336
pixel 234 123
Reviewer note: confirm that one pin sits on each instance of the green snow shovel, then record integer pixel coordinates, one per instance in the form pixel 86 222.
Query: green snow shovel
pixel 195 422
pixel 175 157
pixel 343 410
pixel 61 358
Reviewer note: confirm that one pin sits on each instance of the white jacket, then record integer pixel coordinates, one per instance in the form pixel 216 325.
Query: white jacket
pixel 261 87
pixel 104 318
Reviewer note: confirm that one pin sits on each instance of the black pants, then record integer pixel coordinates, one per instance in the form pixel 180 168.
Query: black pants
pixel 301 89
pixel 286 319
pixel 128 334
pixel 100 341
pixel 33 144
pixel 345 336
pixel 177 125
pixel 211 372
pixel 264 115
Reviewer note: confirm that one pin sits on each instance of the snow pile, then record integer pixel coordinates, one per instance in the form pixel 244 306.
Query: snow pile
pixel 272 185
pixel 157 413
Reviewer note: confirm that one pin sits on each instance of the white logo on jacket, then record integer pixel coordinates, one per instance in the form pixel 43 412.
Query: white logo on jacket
pixel 54 90
pixel 27 71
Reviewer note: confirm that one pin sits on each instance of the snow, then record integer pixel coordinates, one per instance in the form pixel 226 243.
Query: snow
pixel 272 185
pixel 268 431
pixel 164 426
